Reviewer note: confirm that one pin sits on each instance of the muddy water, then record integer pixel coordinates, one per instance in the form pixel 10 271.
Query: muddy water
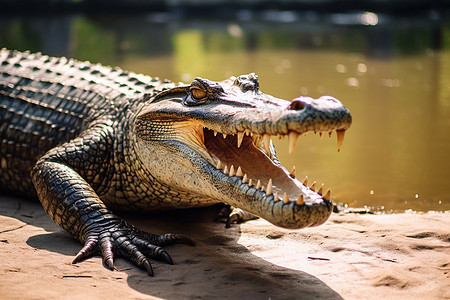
pixel 395 80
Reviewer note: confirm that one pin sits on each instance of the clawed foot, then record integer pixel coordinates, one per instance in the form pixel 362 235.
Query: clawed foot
pixel 126 240
pixel 235 216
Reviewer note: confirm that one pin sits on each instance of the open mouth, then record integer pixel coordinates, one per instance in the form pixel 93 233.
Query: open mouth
pixel 251 157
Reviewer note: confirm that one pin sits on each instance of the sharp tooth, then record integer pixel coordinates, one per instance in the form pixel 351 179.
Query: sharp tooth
pixel 266 140
pixel 239 172
pixel 245 178
pixel 286 198
pixel 224 135
pixel 232 172
pixel 340 138
pixel 250 182
pixel 219 165
pixel 327 195
pixel 262 189
pixel 215 133
pixel 320 191
pixel 247 132
pixel 330 133
pixel 269 189
pixel 258 184
pixel 225 170
pixel 300 200
pixel 321 134
pixel 293 136
pixel 313 186
pixel 240 137
pixel 305 182
pixel 275 197
pixel 292 174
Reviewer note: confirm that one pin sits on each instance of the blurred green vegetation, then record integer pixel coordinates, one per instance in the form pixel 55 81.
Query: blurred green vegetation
pixel 93 42
pixel 103 39
pixel 18 34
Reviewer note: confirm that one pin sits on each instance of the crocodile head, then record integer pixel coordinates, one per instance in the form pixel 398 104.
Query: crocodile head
pixel 211 141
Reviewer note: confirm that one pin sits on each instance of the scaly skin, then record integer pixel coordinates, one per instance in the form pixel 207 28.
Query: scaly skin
pixel 96 139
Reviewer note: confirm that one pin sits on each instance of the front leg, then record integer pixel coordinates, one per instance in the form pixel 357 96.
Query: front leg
pixel 74 205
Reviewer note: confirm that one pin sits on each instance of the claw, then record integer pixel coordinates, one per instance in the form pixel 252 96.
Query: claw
pixel 148 268
pixel 231 220
pixel 166 257
pixel 107 253
pixel 109 263
pixel 87 251
pixel 170 239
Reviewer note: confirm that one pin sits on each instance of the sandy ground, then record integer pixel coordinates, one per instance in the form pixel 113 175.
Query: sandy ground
pixel 401 256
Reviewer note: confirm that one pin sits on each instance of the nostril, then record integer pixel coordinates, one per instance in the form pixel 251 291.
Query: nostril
pixel 329 98
pixel 296 105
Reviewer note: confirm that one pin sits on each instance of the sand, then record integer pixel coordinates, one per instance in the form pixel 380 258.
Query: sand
pixel 352 256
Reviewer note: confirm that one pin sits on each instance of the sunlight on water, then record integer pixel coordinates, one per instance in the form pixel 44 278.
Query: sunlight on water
pixel 395 155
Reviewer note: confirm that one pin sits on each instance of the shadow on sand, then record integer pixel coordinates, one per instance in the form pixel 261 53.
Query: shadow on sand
pixel 217 267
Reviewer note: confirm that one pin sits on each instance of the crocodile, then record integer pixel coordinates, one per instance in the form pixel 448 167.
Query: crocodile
pixel 90 141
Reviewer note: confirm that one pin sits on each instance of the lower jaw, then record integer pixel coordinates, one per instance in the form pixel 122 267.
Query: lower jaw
pixel 284 214
pixel 288 214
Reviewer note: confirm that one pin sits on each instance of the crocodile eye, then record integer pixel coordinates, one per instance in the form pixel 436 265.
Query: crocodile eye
pixel 197 92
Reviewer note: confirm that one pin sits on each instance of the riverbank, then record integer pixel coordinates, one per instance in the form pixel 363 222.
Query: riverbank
pixel 352 256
